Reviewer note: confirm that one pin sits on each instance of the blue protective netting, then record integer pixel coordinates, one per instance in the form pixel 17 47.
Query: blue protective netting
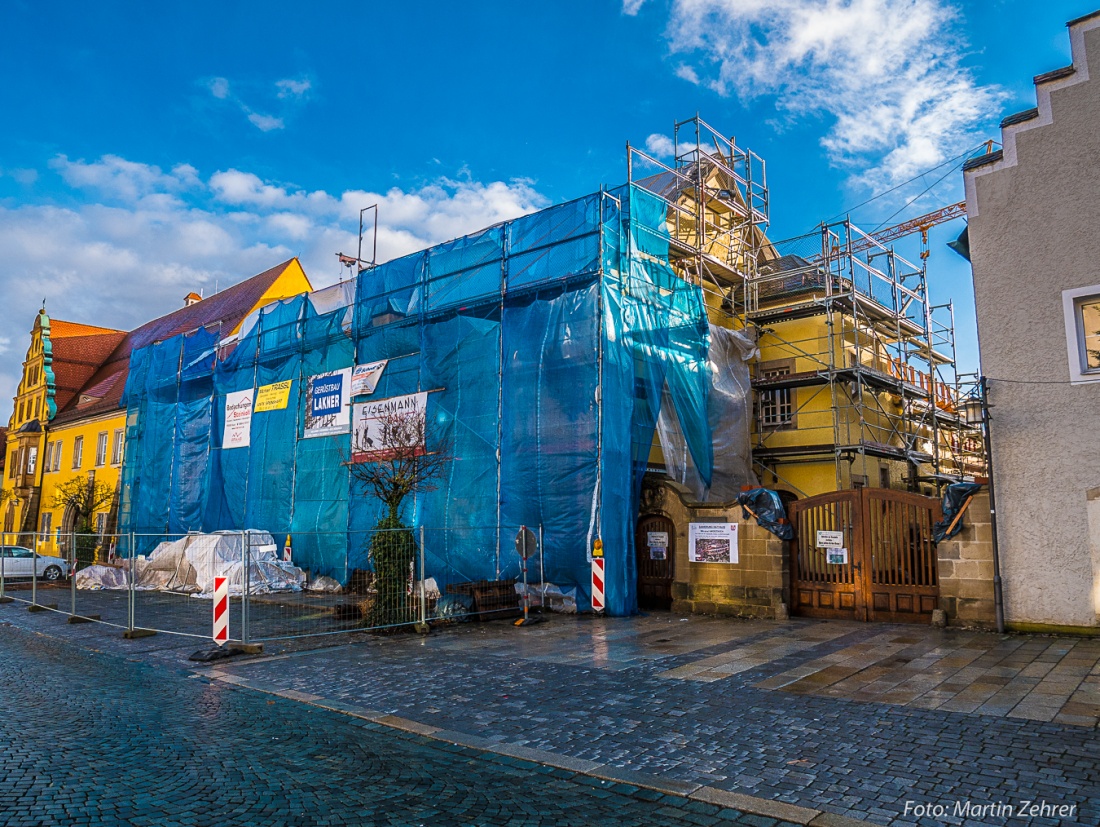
pixel 547 344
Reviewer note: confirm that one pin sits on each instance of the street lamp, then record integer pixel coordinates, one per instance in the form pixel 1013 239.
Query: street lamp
pixel 975 409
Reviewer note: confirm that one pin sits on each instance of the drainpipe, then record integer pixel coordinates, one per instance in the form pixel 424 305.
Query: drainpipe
pixel 998 594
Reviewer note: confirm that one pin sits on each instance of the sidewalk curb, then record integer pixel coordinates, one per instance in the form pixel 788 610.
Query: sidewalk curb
pixel 770 808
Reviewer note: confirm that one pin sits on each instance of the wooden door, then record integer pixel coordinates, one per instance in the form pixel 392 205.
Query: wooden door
pixel 654 549
pixel 902 580
pixel 890 573
pixel 820 588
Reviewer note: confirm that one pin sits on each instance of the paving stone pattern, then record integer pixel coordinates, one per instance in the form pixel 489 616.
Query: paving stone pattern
pixel 751 706
pixel 94 738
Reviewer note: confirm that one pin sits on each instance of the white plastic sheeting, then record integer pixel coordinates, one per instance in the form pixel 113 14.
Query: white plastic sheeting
pixel 190 564
pixel 729 415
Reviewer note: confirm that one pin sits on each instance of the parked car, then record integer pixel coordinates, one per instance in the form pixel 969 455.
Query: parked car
pixel 22 562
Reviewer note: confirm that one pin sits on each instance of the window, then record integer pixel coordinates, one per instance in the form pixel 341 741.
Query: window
pixel 776 405
pixel 78 452
pixel 1082 314
pixel 47 526
pixel 101 449
pixel 57 455
pixel 11 465
pixel 32 460
pixel 47 460
pixel 116 448
pixel 100 524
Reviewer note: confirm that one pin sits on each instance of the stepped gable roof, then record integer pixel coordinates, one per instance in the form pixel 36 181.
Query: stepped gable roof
pixel 102 390
pixel 77 352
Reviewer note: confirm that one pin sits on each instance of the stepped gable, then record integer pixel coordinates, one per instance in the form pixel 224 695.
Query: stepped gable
pixel 1037 117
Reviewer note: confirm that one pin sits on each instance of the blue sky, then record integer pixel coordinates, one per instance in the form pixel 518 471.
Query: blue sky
pixel 148 151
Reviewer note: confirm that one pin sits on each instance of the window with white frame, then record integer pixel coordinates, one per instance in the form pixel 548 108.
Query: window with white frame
pixel 101 449
pixel 1082 313
pixel 47 525
pixel 47 459
pixel 57 455
pixel 78 452
pixel 116 448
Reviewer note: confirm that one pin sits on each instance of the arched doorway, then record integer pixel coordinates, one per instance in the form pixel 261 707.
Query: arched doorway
pixel 654 546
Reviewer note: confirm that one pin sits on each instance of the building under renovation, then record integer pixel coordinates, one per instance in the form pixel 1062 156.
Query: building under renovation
pixel 651 328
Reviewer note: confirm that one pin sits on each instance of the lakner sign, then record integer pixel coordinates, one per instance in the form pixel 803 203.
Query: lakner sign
pixel 328 399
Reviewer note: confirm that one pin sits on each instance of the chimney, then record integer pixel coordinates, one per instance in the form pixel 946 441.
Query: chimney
pixel 191 298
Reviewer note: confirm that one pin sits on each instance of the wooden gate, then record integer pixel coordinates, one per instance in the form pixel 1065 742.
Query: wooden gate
pixel 890 573
pixel 653 544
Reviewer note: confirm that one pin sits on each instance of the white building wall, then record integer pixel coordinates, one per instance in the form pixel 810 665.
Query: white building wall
pixel 1034 232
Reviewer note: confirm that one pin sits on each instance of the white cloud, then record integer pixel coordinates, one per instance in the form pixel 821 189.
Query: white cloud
pixel 158 235
pixel 632 7
pixel 886 73
pixel 288 93
pixel 290 88
pixel 219 88
pixel 265 123
pixel 662 146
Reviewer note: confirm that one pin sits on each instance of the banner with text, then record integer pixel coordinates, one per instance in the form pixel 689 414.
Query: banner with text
pixel 273 397
pixel 385 428
pixel 364 379
pixel 328 404
pixel 238 419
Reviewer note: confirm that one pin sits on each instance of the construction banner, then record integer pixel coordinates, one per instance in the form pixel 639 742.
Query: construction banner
pixel 273 397
pixel 385 428
pixel 328 404
pixel 364 379
pixel 238 419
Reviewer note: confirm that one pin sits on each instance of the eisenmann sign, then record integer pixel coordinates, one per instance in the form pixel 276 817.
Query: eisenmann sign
pixel 385 428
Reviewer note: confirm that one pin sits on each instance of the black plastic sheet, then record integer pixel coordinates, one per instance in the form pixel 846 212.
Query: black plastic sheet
pixel 765 505
pixel 954 498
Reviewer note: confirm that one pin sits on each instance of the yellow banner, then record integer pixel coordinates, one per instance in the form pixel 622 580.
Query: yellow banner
pixel 273 397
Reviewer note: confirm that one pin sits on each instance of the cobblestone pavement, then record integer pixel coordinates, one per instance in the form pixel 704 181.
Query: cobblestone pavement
pixel 704 701
pixel 854 719
pixel 95 738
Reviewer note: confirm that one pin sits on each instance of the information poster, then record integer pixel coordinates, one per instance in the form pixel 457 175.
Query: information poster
pixel 836 556
pixel 273 397
pixel 238 419
pixel 328 404
pixel 364 379
pixel 712 542
pixel 385 426
pixel 830 539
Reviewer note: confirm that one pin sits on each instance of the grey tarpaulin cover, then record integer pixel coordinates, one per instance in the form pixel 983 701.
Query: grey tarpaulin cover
pixel 953 499
pixel 768 509
pixel 728 415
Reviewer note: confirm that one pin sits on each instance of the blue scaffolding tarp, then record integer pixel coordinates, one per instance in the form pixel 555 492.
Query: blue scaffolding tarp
pixel 547 344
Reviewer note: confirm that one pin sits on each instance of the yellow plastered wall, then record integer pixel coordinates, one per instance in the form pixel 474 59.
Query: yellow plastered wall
pixel 106 471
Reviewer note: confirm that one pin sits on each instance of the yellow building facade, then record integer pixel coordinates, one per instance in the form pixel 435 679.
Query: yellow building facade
pixel 80 433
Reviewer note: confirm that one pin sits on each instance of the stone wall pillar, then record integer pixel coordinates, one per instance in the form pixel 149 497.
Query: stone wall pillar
pixel 966 567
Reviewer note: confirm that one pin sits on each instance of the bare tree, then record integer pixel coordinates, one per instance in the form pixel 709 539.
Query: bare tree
pixel 394 461
pixel 84 496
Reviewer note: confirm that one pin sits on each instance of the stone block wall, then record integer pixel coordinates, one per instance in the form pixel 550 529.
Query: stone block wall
pixel 757 585
pixel 966 568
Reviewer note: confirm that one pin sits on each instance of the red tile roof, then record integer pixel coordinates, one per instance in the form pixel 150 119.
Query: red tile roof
pixel 102 390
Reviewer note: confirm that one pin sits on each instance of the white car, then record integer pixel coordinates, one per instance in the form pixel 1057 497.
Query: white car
pixel 22 562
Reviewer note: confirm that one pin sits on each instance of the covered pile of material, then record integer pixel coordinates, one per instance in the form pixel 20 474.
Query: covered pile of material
pixel 190 564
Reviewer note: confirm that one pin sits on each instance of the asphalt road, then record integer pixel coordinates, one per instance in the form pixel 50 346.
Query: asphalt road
pixel 91 738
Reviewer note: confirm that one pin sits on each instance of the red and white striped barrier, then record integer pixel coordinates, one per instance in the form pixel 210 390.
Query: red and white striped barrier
pixel 597 584
pixel 221 610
